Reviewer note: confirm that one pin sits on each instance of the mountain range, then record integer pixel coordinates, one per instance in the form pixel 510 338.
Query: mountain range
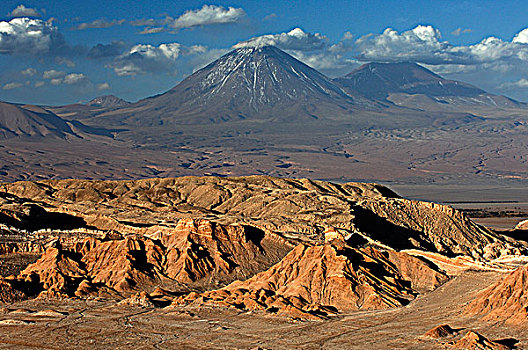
pixel 266 83
pixel 260 110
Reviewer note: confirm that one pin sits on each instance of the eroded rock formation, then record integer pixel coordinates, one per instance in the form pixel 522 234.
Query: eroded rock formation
pixel 297 209
pixel 315 281
pixel 303 248
pixel 475 341
pixel 506 300
pixel 197 254
pixel 441 331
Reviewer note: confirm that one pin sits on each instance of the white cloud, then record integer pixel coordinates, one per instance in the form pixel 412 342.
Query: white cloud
pixel 75 78
pixel 295 39
pixel 521 37
pixel 208 14
pixel 100 23
pixel 153 30
pixel 164 51
pixel 53 74
pixel 146 58
pixel 29 71
pixel 521 83
pixel 25 36
pixel 11 86
pixel 23 11
pixel 424 44
pixel 103 86
pixel 39 83
pixel 58 78
pixel 460 31
pixel 64 61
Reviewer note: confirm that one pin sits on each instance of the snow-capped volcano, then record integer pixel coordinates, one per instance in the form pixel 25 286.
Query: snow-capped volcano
pixel 249 82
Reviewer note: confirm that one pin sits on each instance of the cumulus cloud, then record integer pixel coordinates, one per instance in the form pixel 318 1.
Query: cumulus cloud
pixel 295 39
pixel 64 61
pixel 106 50
pixel 53 74
pixel 39 83
pixel 521 83
pixel 11 86
pixel 521 37
pixel 103 86
pixel 145 58
pixel 208 14
pixel 23 11
pixel 99 23
pixel 59 78
pixel 460 31
pixel 424 44
pixel 25 36
pixel 29 71
pixel 75 78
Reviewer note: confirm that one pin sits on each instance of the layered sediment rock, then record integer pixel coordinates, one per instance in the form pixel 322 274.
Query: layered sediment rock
pixel 319 280
pixel 197 254
pixel 475 341
pixel 506 300
pixel 298 209
pixel 304 248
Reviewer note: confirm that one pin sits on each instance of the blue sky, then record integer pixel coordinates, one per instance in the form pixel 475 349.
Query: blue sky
pixel 60 52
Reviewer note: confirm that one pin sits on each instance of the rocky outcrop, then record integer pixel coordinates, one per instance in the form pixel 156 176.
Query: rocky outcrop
pixel 8 294
pixel 316 281
pixel 197 254
pixel 475 341
pixel 523 225
pixel 304 248
pixel 506 300
pixel 428 226
pixel 441 331
pixel 297 209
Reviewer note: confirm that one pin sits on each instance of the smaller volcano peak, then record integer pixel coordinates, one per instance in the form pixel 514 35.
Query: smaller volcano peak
pixel 377 80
